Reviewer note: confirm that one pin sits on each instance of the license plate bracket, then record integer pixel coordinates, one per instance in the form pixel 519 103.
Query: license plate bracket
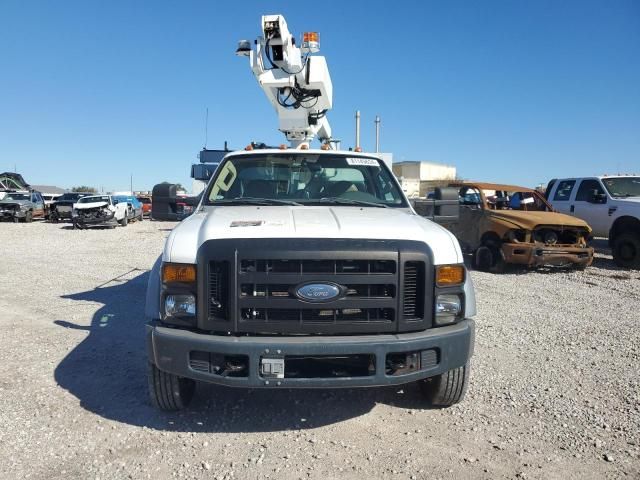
pixel 272 367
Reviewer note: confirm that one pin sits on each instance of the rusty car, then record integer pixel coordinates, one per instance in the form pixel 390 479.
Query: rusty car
pixel 507 224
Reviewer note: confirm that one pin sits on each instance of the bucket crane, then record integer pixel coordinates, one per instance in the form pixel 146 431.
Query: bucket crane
pixel 296 83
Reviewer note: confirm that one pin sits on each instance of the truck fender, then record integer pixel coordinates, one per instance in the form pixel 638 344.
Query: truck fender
pixel 469 297
pixel 624 224
pixel 152 302
pixel 121 210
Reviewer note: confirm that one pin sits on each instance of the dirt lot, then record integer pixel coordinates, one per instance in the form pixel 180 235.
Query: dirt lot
pixel 555 387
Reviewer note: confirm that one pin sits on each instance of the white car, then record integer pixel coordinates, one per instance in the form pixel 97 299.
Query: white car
pixel 100 210
pixel 610 205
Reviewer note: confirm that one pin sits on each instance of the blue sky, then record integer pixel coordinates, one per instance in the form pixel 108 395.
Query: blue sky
pixel 508 91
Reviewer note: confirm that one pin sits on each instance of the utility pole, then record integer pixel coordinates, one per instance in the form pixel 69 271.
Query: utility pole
pixel 377 122
pixel 131 184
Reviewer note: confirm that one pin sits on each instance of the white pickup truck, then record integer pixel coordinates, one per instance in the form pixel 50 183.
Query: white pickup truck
pixel 610 205
pixel 308 268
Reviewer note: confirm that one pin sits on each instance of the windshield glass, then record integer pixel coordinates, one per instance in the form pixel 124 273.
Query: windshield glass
pixel 305 179
pixel 525 200
pixel 101 198
pixel 622 186
pixel 69 196
pixel 16 196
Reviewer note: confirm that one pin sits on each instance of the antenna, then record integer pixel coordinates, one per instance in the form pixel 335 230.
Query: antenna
pixel 357 128
pixel 377 122
pixel 206 129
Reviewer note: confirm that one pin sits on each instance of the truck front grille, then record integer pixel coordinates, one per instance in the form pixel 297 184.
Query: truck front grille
pixel 256 286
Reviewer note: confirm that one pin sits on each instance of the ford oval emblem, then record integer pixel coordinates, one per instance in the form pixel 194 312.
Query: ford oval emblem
pixel 318 292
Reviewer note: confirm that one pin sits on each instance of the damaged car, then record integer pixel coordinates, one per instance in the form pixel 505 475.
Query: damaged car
pixel 21 206
pixel 506 224
pixel 99 210
pixel 61 208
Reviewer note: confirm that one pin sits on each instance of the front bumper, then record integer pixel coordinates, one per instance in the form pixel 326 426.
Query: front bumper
pixel 89 221
pixel 170 350
pixel 538 255
pixel 12 213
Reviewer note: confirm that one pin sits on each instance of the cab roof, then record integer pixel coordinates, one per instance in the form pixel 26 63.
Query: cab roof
pixel 297 151
pixel 493 186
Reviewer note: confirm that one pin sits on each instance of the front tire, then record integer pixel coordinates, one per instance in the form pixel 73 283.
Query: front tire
pixel 124 221
pixel 28 217
pixel 447 388
pixel 626 250
pixel 169 392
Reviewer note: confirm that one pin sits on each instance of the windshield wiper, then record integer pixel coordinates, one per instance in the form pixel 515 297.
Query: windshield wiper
pixel 349 201
pixel 256 201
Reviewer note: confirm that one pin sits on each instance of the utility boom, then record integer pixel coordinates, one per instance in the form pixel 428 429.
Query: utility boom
pixel 297 84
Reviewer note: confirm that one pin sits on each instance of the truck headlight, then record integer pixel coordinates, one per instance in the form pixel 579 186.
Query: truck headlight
pixel 180 305
pixel 448 308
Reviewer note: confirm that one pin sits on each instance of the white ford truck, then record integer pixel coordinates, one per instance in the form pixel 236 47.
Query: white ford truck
pixel 307 268
pixel 610 205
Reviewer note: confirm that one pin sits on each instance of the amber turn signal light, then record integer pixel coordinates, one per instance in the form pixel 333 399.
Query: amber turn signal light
pixel 178 272
pixel 449 275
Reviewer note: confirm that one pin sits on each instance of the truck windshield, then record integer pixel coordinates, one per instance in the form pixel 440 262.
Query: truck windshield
pixel 622 186
pixel 102 198
pixel 304 179
pixel 16 196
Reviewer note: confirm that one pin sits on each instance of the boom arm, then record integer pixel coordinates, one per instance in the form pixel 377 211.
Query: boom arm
pixel 297 84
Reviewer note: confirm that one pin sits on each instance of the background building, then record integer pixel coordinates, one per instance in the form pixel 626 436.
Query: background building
pixel 418 178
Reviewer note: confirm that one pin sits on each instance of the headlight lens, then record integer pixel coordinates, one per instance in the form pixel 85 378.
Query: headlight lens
pixel 448 308
pixel 516 235
pixel 180 305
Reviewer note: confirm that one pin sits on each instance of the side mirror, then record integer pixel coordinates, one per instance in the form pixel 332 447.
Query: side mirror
pixel 444 207
pixel 596 197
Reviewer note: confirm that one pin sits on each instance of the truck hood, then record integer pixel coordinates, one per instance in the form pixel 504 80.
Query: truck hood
pixel 87 206
pixel 633 200
pixel 307 222
pixel 530 220
pixel 13 203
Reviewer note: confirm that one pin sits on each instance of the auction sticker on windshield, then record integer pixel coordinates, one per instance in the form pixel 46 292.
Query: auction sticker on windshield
pixel 367 162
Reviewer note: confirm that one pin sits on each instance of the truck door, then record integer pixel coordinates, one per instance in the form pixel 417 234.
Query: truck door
pixel 590 205
pixel 38 205
pixel 562 195
pixel 467 228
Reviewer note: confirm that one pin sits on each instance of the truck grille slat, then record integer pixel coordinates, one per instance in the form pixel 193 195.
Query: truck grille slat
pixel 412 305
pixel 218 284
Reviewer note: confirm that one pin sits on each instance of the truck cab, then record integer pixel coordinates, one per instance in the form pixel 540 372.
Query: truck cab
pixel 609 204
pixel 305 268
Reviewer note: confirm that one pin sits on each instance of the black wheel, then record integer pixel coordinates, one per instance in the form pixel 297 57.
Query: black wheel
pixel 16 219
pixel 488 259
pixel 626 250
pixel 53 218
pixel 447 388
pixel 28 218
pixel 124 221
pixel 483 259
pixel 169 392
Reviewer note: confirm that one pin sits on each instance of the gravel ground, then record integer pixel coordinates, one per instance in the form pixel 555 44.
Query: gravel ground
pixel 555 390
